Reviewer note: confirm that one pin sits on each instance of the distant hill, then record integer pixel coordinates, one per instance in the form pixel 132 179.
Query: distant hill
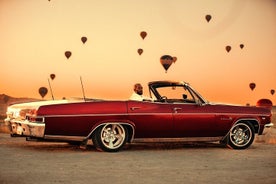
pixel 6 100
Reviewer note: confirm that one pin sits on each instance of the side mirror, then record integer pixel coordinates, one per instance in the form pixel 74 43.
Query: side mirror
pixel 199 102
pixel 163 99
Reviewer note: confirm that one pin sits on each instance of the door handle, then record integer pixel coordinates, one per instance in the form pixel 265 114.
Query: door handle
pixel 176 109
pixel 134 108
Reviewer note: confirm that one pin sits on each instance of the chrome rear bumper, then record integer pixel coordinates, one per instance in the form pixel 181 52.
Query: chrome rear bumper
pixel 267 128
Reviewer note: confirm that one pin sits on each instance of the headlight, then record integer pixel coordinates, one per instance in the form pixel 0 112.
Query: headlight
pixel 14 113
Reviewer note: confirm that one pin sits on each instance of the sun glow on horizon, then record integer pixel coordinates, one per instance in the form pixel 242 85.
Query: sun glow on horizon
pixel 35 35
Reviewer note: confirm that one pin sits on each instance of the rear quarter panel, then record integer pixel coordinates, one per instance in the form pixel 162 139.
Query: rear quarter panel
pixel 78 119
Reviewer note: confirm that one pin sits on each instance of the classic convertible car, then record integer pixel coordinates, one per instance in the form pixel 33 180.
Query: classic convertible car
pixel 176 113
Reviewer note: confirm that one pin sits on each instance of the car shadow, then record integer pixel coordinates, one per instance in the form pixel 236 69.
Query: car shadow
pixel 67 147
pixel 172 146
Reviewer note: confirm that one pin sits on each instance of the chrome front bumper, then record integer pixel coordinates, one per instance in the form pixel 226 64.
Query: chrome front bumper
pixel 267 128
pixel 26 128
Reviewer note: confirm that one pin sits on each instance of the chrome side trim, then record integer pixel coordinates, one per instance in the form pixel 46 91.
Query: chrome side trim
pixel 140 140
pixel 184 139
pixel 150 113
pixel 64 138
pixel 80 115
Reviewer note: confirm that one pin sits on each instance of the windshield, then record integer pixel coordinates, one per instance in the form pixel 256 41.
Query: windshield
pixel 179 94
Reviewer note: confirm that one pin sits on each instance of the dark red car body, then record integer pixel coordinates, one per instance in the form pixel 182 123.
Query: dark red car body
pixel 111 124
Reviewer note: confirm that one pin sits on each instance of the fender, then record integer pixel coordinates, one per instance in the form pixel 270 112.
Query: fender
pixel 113 121
pixel 256 125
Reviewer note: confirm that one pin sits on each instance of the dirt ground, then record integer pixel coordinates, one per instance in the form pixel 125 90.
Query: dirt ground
pixel 39 162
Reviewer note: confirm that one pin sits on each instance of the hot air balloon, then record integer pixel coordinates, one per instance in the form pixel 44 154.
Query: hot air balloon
pixel 241 46
pixel 266 103
pixel 208 17
pixel 43 91
pixel 143 34
pixel 52 76
pixel 166 61
pixel 68 54
pixel 228 48
pixel 140 51
pixel 252 86
pixel 272 91
pixel 174 59
pixel 83 39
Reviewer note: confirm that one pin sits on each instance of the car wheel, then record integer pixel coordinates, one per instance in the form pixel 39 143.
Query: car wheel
pixel 110 137
pixel 241 136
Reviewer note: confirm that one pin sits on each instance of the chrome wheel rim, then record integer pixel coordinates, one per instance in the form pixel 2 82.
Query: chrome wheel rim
pixel 240 134
pixel 113 136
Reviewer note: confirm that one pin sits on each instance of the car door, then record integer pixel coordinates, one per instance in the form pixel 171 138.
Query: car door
pixel 151 119
pixel 193 120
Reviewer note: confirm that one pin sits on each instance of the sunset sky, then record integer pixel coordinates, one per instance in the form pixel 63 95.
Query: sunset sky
pixel 34 34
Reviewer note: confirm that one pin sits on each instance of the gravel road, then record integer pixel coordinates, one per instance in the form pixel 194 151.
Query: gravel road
pixel 23 162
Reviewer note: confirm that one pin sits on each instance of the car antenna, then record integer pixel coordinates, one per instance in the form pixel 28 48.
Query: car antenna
pixel 82 89
pixel 51 89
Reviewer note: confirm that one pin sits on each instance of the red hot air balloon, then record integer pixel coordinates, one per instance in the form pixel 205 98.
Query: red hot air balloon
pixel 143 34
pixel 68 54
pixel 166 61
pixel 174 59
pixel 83 39
pixel 43 91
pixel 252 86
pixel 266 103
pixel 208 18
pixel 228 48
pixel 140 51
pixel 272 91
pixel 52 76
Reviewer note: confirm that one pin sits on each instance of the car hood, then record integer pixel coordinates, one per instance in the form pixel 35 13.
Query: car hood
pixel 241 109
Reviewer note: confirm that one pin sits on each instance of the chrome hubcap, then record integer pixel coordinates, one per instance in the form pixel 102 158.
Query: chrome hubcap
pixel 113 135
pixel 240 135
